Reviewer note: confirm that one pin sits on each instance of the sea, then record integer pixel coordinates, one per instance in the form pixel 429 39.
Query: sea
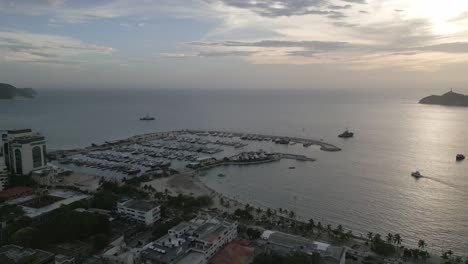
pixel 365 187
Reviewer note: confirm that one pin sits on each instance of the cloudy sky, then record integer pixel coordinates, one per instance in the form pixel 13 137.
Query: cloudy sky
pixel 234 43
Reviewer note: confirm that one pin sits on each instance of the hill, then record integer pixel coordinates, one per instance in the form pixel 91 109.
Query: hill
pixel 8 91
pixel 450 99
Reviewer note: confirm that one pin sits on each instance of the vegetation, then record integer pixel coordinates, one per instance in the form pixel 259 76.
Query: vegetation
pixel 123 190
pixel 253 233
pixel 189 204
pixel 64 224
pixel 104 199
pixel 8 91
pixel 10 212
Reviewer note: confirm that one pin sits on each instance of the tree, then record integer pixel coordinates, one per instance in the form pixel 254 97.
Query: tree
pixel 389 238
pixel 104 200
pixel 268 213
pixel 319 226
pixel 292 214
pixel 253 233
pixel 397 239
pixel 349 234
pixel 24 237
pixel 258 210
pixel 370 236
pixel 421 244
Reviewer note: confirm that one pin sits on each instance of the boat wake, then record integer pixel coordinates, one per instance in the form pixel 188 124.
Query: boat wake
pixel 441 182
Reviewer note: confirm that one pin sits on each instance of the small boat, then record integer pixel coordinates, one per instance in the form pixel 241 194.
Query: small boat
pixel 416 174
pixel 291 168
pixel 346 134
pixel 147 118
pixel 460 157
pixel 221 175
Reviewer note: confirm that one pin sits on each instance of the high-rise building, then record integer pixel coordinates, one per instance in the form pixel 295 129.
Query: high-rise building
pixel 23 151
pixel 3 173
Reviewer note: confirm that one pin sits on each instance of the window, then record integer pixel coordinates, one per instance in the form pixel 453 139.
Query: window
pixel 18 161
pixel 37 156
pixel 44 154
pixel 6 153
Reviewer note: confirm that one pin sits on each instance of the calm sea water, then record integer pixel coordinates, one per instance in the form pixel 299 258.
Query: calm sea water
pixel 365 187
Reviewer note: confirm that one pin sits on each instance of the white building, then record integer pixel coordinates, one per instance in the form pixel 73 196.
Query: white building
pixel 283 243
pixel 191 242
pixel 146 212
pixel 119 253
pixel 23 151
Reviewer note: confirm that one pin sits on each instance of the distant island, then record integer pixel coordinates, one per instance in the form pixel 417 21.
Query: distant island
pixel 8 91
pixel 450 99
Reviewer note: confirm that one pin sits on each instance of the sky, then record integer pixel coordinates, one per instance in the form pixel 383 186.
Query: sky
pixel 239 44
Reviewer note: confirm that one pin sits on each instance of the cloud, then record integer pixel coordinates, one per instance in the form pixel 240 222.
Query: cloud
pixel 455 47
pixel 86 11
pixel 355 1
pixel 287 8
pixel 206 54
pixel 316 45
pixel 22 46
pixel 463 16
pixel 277 8
pixel 338 7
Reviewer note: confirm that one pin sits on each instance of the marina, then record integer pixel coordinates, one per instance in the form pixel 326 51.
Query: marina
pixel 167 153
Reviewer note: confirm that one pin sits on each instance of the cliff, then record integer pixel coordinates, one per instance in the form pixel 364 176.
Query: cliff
pixel 8 91
pixel 450 99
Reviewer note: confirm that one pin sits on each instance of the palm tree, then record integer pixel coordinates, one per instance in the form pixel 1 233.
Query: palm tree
pixel 421 244
pixel 389 238
pixel 349 234
pixel 340 229
pixel 370 235
pixel 319 226
pixel 258 210
pixel 377 238
pixel 397 239
pixel 291 214
pixel 329 228
pixel 311 223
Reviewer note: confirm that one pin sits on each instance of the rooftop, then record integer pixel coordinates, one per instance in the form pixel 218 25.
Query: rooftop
pixel 64 197
pixel 15 255
pixel 28 139
pixel 236 252
pixel 19 131
pixel 192 257
pixel 15 191
pixel 284 243
pixel 140 205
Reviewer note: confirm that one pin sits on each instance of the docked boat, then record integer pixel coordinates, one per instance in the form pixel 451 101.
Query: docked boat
pixel 291 168
pixel 221 175
pixel 147 118
pixel 346 134
pixel 460 157
pixel 416 174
